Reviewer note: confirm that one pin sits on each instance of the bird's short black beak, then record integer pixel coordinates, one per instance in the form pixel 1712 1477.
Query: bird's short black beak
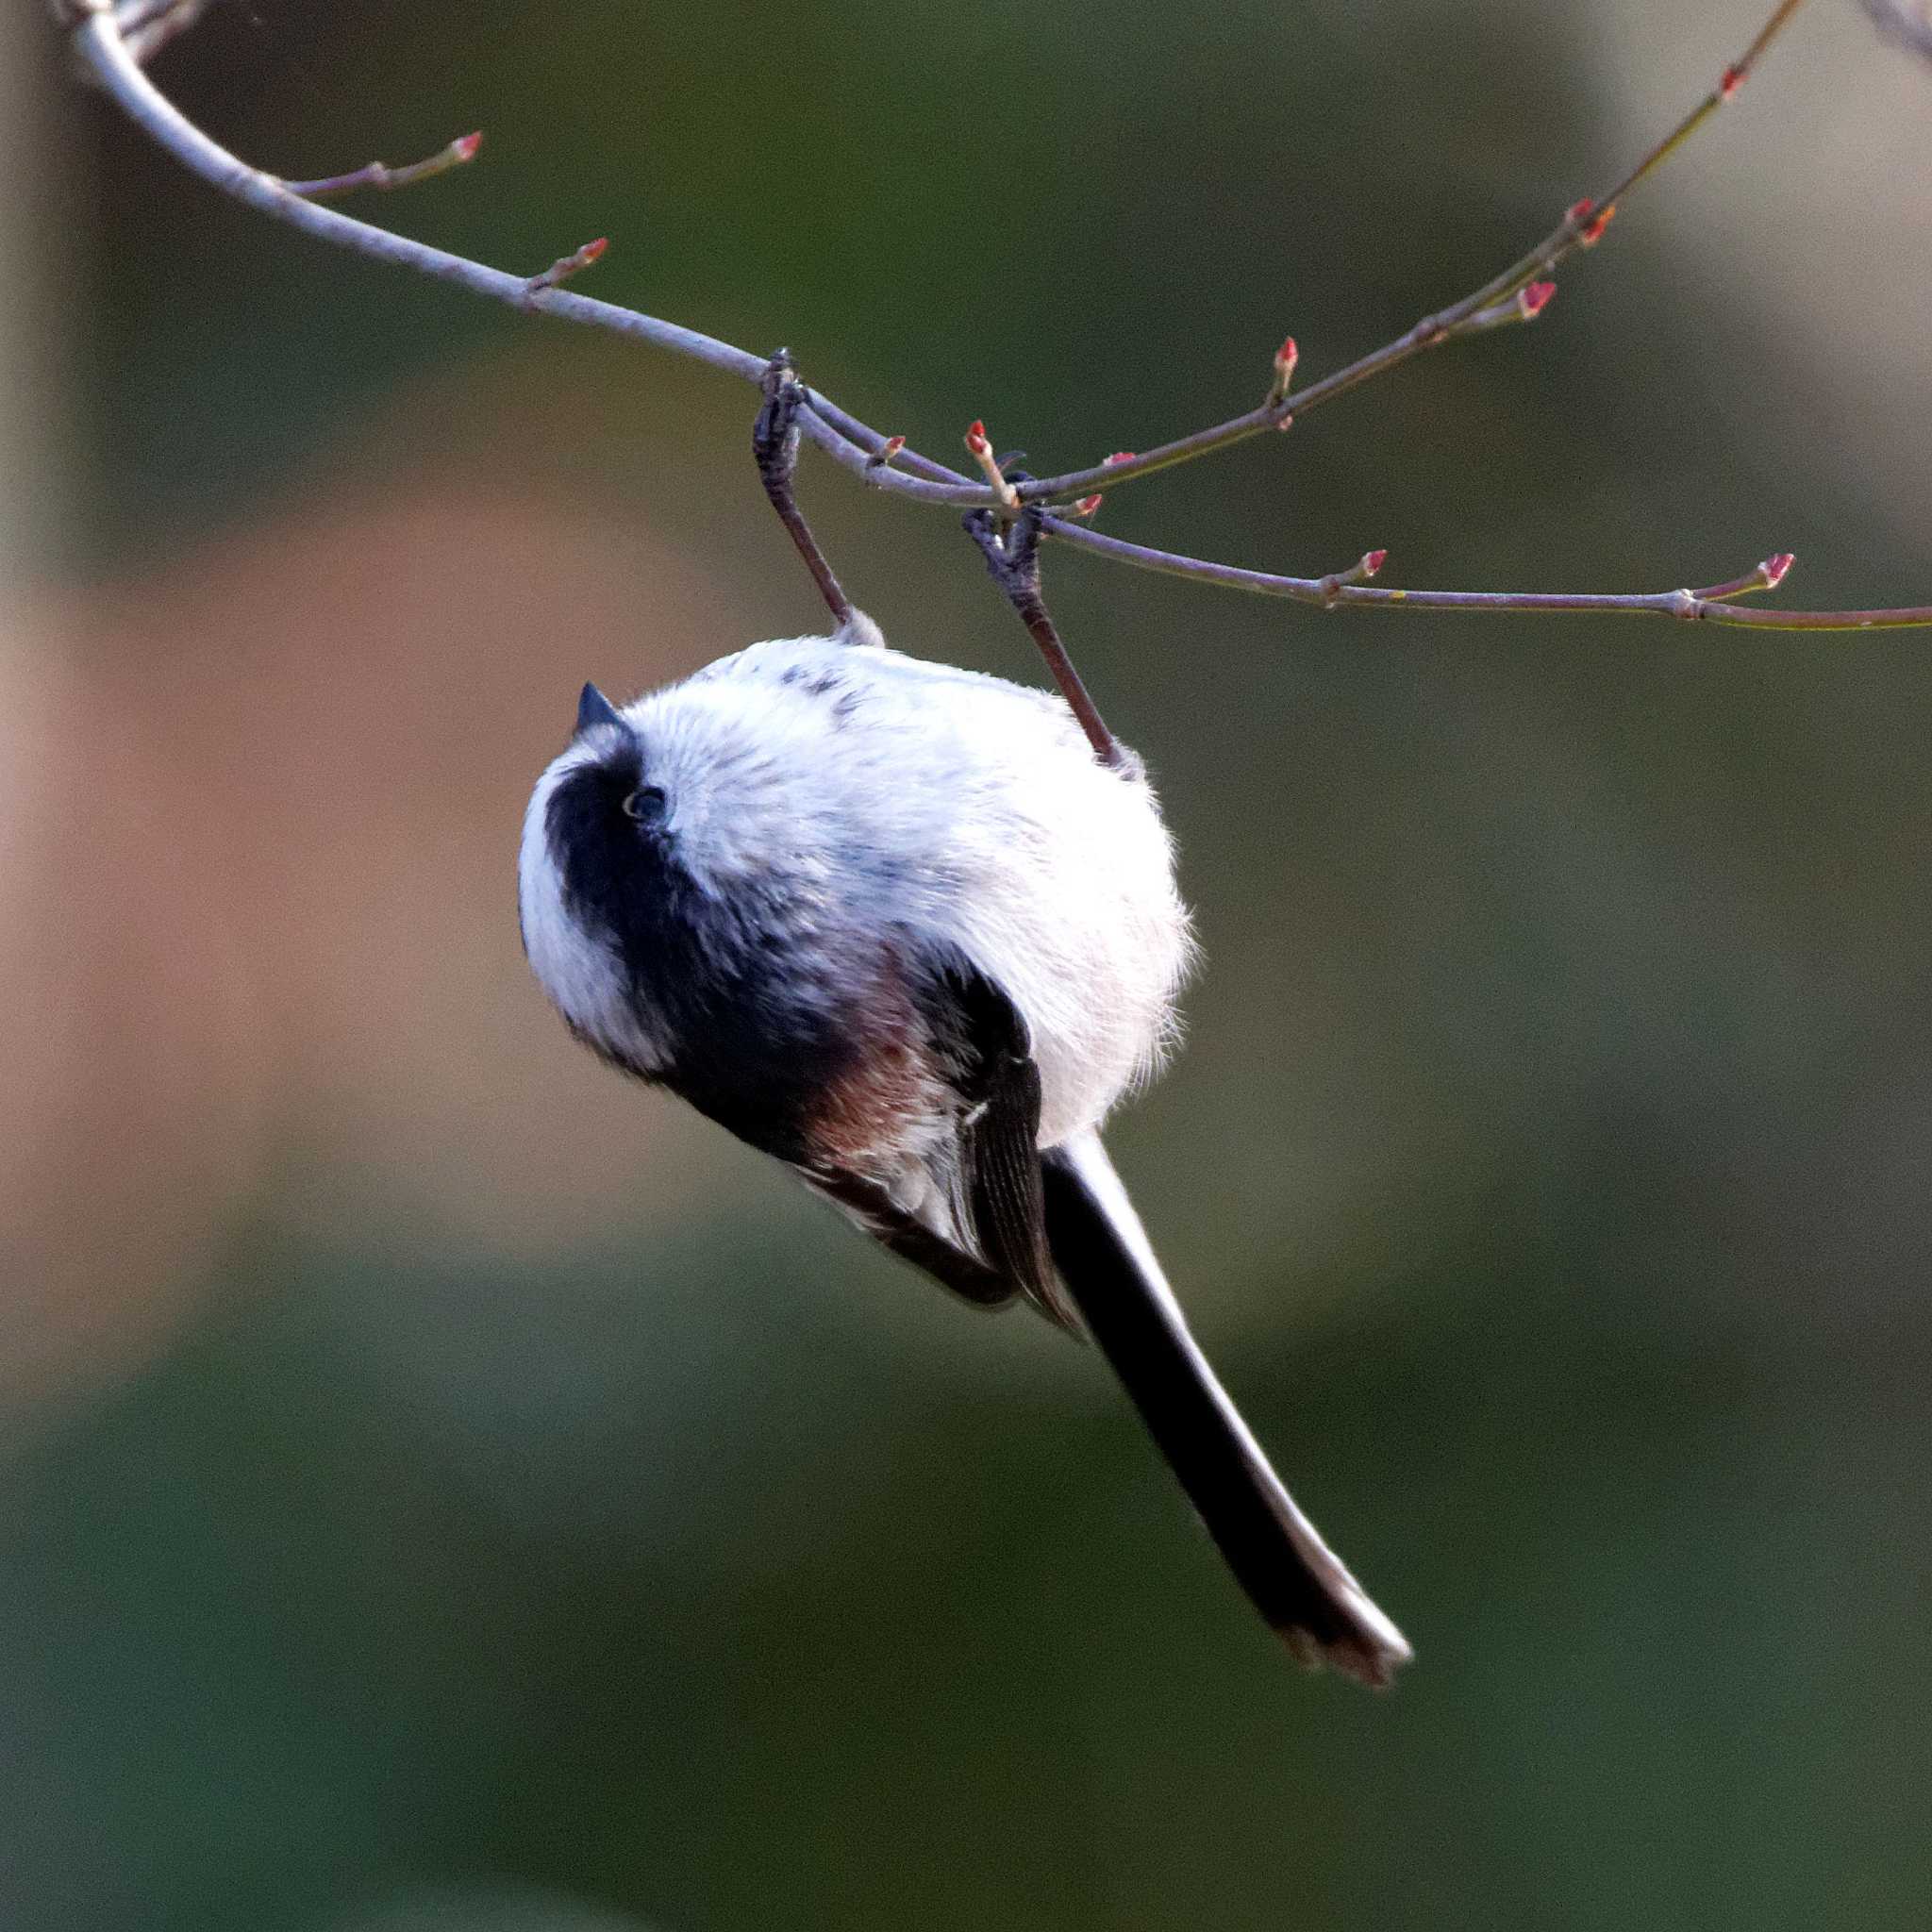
pixel 593 708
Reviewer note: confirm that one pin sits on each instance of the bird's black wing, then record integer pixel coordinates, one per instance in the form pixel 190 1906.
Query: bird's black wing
pixel 869 1204
pixel 985 1053
pixel 972 1213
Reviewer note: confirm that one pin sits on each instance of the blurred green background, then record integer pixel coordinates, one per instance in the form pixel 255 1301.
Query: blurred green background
pixel 447 1487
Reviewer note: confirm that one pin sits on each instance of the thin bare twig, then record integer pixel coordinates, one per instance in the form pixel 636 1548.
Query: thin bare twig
pixel 1582 226
pixel 380 175
pixel 886 462
pixel 1331 592
pixel 146 26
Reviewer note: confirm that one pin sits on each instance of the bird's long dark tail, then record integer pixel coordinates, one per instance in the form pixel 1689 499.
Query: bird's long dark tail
pixel 1297 1583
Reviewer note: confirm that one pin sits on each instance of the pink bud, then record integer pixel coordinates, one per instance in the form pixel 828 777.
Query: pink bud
pixel 1533 300
pixel 975 438
pixel 464 147
pixel 1775 567
pixel 1578 212
pixel 1728 83
pixel 1286 357
pixel 892 446
pixel 1087 505
pixel 1122 455
pixel 561 270
pixel 1594 231
pixel 1373 561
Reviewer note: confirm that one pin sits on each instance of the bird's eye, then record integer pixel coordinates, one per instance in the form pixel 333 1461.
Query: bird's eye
pixel 645 804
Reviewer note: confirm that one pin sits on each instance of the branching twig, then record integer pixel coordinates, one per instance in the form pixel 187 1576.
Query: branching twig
pixel 1582 226
pixel 1711 606
pixel 146 26
pixel 103 38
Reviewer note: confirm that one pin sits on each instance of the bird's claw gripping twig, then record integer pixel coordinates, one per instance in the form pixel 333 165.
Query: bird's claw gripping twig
pixel 774 434
pixel 1011 549
pixel 775 438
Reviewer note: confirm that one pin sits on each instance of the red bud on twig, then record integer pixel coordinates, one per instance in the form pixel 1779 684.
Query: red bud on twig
pixel 1767 577
pixel 1587 221
pixel 1285 359
pixel 1525 305
pixel 1336 582
pixel 981 447
pixel 566 266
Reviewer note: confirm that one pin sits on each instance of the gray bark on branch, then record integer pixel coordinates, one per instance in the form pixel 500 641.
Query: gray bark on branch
pixel 112 36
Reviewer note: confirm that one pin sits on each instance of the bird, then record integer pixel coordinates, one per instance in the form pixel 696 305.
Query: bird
pixel 913 932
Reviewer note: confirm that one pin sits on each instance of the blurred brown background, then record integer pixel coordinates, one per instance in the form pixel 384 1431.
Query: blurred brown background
pixel 447 1486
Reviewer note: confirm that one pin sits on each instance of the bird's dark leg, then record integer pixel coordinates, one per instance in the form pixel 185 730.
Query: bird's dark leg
pixel 774 444
pixel 1013 556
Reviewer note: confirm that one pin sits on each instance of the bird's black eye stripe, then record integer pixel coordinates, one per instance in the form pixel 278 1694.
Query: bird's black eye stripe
pixel 645 804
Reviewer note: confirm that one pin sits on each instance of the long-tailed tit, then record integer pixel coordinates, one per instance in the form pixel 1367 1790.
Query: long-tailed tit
pixel 913 932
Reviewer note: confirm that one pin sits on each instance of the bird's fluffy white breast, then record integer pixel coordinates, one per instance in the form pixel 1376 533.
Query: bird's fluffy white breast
pixel 970 811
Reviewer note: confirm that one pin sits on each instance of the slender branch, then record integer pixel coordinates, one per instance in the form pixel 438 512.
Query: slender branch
pixel 99 43
pixel 380 175
pixel 1728 83
pixel 1582 226
pixel 1517 294
pixel 1332 592
pixel 102 47
pixel 146 26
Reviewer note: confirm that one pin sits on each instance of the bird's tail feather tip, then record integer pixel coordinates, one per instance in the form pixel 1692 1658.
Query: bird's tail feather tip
pixel 1370 1656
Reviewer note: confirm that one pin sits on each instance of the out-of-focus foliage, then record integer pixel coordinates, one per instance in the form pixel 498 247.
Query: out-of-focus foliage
pixel 447 1487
